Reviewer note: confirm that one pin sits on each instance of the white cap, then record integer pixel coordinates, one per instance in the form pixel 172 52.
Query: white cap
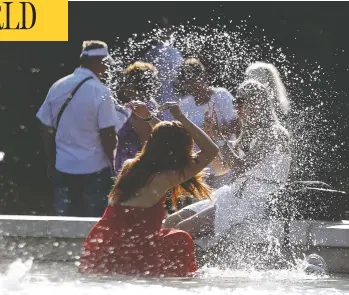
pixel 96 52
pixel 101 52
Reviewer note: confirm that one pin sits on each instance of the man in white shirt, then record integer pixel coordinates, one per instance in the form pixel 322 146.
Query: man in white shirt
pixel 202 103
pixel 78 126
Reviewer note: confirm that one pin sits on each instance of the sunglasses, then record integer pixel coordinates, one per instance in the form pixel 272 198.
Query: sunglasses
pixel 238 101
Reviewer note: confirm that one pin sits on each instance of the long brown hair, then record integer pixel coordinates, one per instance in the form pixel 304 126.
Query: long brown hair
pixel 169 148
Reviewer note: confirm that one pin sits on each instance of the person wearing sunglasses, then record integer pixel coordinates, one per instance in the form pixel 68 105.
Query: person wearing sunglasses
pixel 259 159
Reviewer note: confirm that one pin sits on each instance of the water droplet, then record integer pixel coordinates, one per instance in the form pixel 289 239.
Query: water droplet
pixel 21 245
pixel 2 156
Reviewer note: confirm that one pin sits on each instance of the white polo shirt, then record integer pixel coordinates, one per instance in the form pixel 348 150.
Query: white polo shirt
pixel 78 146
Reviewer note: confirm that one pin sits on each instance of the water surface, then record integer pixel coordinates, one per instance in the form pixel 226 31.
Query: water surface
pixel 62 278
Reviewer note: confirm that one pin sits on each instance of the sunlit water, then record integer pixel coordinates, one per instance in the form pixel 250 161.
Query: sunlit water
pixel 62 278
pixel 230 52
pixel 227 52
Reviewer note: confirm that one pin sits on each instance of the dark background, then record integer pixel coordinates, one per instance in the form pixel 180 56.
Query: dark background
pixel 313 31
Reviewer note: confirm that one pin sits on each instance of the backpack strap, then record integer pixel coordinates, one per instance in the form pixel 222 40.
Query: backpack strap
pixel 70 97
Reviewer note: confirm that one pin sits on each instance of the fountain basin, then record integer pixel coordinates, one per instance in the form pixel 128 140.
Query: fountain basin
pixel 54 238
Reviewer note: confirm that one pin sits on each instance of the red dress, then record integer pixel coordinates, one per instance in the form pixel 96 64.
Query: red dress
pixel 130 241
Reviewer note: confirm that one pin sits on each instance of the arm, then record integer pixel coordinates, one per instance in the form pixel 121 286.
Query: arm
pixel 228 157
pixel 264 145
pixel 154 121
pixel 219 166
pixel 209 149
pixel 108 119
pixel 240 165
pixel 217 134
pixel 109 141
pixel 140 109
pixel 47 135
pixel 226 114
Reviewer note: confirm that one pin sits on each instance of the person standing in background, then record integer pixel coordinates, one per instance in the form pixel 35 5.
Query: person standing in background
pixel 78 128
pixel 168 60
pixel 141 84
pixel 203 103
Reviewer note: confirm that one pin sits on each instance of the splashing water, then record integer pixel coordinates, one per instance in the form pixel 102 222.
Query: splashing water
pixel 58 278
pixel 226 54
pixel 2 156
pixel 15 274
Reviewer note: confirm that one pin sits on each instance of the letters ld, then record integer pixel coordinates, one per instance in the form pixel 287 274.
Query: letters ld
pixel 5 14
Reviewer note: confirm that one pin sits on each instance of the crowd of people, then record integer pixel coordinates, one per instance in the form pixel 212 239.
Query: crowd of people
pixel 168 135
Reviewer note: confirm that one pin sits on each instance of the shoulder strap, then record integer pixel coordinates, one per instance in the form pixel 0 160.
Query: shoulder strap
pixel 121 110
pixel 61 111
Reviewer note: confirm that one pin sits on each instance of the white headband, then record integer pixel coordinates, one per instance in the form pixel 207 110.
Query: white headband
pixel 96 52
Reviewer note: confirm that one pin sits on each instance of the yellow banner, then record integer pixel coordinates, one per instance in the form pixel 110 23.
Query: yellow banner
pixel 34 20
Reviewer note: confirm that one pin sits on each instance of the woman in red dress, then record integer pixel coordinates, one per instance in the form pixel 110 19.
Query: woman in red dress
pixel 129 239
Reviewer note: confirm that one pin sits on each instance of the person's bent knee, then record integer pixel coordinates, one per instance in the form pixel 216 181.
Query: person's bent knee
pixel 173 220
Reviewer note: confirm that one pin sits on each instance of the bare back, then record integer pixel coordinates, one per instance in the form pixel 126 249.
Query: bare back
pixel 150 194
pixel 159 183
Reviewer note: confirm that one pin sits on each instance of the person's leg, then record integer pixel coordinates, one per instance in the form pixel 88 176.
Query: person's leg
pixel 95 192
pixel 77 187
pixel 63 193
pixel 188 211
pixel 177 217
pixel 199 224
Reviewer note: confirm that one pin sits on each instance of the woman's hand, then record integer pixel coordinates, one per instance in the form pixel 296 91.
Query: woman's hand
pixel 173 107
pixel 139 108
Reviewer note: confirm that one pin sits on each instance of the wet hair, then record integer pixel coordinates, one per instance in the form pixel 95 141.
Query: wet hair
pixel 270 135
pixel 269 76
pixel 144 76
pixel 192 69
pixel 88 45
pixel 169 148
